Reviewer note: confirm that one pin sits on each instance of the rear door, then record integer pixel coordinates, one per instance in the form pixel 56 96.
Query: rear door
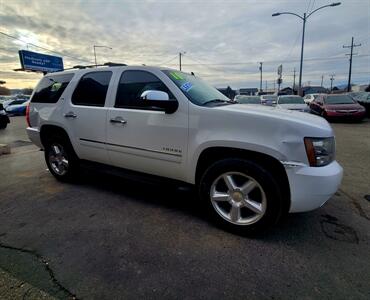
pixel 85 115
pixel 147 140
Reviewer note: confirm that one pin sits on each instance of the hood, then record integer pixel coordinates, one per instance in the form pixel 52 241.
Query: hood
pixel 343 106
pixel 288 116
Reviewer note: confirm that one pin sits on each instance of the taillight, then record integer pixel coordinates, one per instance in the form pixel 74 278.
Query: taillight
pixel 28 115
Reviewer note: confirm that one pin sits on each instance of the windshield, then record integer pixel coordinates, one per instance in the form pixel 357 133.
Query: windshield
pixel 342 99
pixel 291 100
pixel 248 99
pixel 195 89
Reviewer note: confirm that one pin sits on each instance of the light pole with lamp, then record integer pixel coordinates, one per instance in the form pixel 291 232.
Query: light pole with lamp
pixel 95 46
pixel 304 19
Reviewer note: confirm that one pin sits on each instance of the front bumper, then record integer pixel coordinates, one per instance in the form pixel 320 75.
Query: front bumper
pixel 34 136
pixel 346 116
pixel 311 187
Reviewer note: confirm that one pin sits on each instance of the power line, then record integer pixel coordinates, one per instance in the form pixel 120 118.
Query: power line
pixel 167 61
pixel 43 48
pixel 273 61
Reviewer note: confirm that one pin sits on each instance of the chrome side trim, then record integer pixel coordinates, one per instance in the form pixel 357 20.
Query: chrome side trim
pixel 130 147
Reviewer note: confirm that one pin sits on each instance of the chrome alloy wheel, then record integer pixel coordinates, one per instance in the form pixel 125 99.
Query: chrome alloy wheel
pixel 58 159
pixel 238 198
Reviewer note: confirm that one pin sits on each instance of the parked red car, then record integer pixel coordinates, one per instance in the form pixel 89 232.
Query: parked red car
pixel 337 107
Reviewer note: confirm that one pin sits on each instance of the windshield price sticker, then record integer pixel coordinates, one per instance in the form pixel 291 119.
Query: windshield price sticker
pixel 186 86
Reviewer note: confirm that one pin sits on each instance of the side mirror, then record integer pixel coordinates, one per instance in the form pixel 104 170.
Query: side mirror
pixel 159 99
pixel 1 106
pixel 154 95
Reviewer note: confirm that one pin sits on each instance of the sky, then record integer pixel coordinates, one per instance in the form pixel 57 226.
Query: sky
pixel 223 41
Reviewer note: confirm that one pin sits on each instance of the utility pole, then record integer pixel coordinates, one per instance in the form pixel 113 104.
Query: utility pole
pixel 180 54
pixel 293 80
pixel 331 82
pixel 322 80
pixel 265 85
pixel 350 63
pixel 260 76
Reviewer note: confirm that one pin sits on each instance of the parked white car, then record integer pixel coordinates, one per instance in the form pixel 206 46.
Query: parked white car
pixel 250 164
pixel 309 98
pixel 292 102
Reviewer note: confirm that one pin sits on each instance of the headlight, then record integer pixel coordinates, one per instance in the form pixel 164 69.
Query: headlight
pixel 320 151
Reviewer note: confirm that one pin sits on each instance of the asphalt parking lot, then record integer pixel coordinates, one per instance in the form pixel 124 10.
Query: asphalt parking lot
pixel 108 237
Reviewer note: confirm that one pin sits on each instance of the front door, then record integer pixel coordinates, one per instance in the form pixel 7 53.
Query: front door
pixel 146 139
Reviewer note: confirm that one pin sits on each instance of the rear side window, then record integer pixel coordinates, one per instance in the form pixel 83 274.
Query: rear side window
pixel 51 88
pixel 92 89
pixel 132 84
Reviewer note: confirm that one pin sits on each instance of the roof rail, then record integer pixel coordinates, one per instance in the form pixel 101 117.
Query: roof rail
pixel 112 64
pixel 107 64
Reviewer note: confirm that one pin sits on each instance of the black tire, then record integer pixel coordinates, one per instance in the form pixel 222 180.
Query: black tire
pixel 3 124
pixel 71 171
pixel 273 197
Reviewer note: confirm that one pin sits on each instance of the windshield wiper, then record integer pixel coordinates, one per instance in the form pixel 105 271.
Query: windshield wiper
pixel 219 101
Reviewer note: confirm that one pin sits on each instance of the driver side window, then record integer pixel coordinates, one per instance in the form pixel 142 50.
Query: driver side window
pixel 132 84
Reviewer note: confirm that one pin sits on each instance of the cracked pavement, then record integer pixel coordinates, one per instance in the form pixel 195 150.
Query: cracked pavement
pixel 108 237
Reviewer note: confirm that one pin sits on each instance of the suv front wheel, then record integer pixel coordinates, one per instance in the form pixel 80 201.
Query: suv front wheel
pixel 61 159
pixel 241 195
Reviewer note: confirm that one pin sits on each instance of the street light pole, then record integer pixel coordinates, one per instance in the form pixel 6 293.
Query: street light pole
pixel 96 46
pixel 304 19
pixel 301 63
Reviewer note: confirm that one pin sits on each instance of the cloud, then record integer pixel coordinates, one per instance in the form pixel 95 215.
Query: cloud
pixel 223 40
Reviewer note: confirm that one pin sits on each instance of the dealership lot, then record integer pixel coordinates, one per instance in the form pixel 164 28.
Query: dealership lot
pixel 110 237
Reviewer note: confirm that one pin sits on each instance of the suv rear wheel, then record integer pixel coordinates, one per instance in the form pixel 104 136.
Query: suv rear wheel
pixel 3 124
pixel 61 159
pixel 241 195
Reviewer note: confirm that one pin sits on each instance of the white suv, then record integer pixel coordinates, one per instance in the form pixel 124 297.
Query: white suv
pixel 251 164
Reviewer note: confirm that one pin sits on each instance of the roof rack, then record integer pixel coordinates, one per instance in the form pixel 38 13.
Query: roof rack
pixel 112 64
pixel 107 64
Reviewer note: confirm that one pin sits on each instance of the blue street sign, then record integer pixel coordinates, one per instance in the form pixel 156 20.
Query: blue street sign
pixel 40 62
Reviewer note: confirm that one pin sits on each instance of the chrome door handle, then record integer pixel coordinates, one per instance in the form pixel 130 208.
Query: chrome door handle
pixel 120 121
pixel 70 115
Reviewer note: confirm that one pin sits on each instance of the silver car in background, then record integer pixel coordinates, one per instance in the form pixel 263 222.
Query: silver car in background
pixel 310 97
pixel 292 102
pixel 269 100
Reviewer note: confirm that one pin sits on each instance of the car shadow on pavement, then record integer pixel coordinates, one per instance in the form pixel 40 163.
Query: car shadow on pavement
pixel 185 201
